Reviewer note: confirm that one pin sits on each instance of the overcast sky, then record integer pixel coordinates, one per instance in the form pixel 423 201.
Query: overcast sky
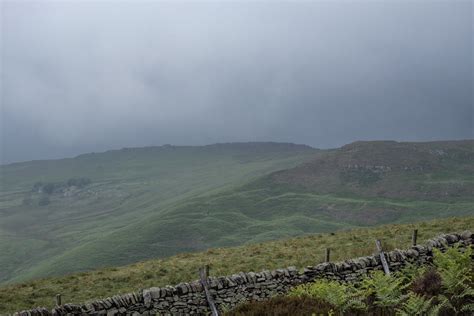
pixel 82 76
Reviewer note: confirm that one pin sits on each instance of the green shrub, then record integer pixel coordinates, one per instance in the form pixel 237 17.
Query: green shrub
pixel 456 270
pixel 417 305
pixel 383 291
pixel 342 296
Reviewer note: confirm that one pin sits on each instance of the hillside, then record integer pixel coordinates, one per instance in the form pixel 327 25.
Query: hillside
pixel 318 196
pixel 299 252
pixel 124 206
pixel 99 209
pixel 438 171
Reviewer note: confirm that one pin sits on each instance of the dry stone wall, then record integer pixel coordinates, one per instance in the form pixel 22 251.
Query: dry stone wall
pixel 228 291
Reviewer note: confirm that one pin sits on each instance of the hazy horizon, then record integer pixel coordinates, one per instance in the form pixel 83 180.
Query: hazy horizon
pixel 223 143
pixel 79 77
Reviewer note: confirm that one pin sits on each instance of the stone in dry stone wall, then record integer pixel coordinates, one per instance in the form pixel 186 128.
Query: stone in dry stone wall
pixel 228 291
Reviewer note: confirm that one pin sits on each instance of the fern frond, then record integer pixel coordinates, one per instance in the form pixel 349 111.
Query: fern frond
pixel 468 308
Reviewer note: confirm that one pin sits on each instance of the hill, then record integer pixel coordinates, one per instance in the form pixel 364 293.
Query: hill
pixel 59 216
pixel 438 171
pixel 299 252
pixel 319 196
pixel 129 205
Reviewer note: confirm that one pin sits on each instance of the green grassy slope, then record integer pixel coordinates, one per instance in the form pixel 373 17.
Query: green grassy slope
pixel 299 252
pixel 318 197
pixel 111 220
pixel 157 202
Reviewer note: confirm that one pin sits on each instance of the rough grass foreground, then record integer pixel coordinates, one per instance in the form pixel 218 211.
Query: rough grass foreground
pixel 445 288
pixel 299 252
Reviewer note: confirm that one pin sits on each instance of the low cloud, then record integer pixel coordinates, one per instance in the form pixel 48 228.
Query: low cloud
pixel 90 76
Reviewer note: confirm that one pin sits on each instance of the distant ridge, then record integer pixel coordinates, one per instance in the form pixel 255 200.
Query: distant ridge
pixel 436 170
pixel 228 145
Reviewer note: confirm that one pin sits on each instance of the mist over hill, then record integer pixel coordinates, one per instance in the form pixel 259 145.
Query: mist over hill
pixel 122 206
pixel 323 73
pixel 321 117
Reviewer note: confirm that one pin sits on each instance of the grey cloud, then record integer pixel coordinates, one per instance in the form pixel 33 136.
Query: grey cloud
pixel 90 76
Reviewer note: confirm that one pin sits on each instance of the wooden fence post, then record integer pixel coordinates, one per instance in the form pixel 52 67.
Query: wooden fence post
pixel 414 237
pixel 382 257
pixel 58 299
pixel 203 275
pixel 328 254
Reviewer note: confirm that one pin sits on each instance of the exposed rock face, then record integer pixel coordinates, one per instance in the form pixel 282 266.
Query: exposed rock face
pixel 228 291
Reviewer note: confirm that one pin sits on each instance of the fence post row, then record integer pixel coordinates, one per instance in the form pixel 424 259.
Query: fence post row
pixel 382 257
pixel 203 275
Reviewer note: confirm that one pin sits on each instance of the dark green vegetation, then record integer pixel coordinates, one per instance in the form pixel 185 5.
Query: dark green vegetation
pixel 445 288
pixel 159 201
pixel 299 252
